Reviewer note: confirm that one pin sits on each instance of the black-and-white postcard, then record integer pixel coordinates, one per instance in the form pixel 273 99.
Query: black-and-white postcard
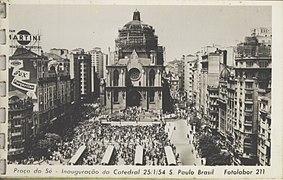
pixel 141 89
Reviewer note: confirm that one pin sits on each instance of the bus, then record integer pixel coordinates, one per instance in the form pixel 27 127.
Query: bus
pixel 139 156
pixel 75 160
pixel 170 157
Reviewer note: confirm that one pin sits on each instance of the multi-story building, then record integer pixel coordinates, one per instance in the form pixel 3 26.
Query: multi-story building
pixel 201 74
pixel 264 129
pixel 46 79
pixel 226 103
pixel 173 80
pixel 197 82
pixel 176 68
pixel 189 63
pixel 181 73
pixel 135 77
pixel 212 64
pixel 84 81
pixel 238 88
pixel 19 123
pixel 172 66
pixel 253 77
pixel 97 61
pixel 63 53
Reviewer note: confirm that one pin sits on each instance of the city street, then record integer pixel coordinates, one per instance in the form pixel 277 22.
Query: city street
pixel 179 138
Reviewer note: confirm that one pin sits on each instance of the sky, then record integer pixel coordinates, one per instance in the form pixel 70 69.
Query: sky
pixel 182 30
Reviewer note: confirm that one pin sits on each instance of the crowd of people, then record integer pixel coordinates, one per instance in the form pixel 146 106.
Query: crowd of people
pixel 132 114
pixel 97 137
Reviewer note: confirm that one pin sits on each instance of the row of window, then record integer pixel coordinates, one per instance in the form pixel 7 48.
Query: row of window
pixel 133 76
pixel 261 64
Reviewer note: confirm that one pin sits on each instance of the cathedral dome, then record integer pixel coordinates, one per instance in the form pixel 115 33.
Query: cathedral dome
pixel 136 23
pixel 136 35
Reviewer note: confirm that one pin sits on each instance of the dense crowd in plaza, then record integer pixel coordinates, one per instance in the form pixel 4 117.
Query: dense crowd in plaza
pixel 97 137
pixel 133 114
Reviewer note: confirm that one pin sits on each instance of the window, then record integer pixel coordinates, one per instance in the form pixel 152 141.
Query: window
pixel 263 64
pixel 115 78
pixel 151 96
pixel 249 107
pixel 151 77
pixel 116 95
pixel 134 74
pixel 249 64
pixel 249 97
pixel 249 85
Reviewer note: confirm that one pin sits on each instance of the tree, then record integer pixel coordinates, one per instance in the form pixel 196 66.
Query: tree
pixel 195 121
pixel 218 159
pixel 208 146
pixel 46 145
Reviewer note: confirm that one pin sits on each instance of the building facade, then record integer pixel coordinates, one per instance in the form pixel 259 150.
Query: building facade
pixel 253 76
pixel 135 77
pixel 211 66
pixel 189 63
pixel 244 101
pixel 264 129
pixel 45 79
pixel 84 82
pixel 98 61
pixel 20 122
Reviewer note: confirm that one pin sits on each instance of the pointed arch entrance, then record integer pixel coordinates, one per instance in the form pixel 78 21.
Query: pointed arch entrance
pixel 133 98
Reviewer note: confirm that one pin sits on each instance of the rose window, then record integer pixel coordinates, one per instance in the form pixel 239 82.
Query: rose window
pixel 134 74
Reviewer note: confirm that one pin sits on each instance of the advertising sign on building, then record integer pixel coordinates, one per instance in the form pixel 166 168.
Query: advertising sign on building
pixel 19 75
pixel 24 39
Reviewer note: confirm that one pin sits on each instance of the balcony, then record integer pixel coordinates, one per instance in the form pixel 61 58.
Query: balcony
pixel 17 117
pixel 248 123
pixel 248 110
pixel 15 151
pixel 261 136
pixel 267 143
pixel 248 114
pixel 249 101
pixel 17 141
pixel 214 104
pixel 236 128
pixel 264 111
pixel 221 101
pixel 262 149
pixel 249 91
pixel 248 131
pixel 16 134
pixel 211 111
pixel 204 70
pixel 18 126
pixel 263 125
pixel 247 144
pixel 213 96
pixel 249 88
pixel 261 90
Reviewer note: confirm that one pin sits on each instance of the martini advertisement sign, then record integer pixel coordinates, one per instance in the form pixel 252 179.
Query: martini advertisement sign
pixel 24 39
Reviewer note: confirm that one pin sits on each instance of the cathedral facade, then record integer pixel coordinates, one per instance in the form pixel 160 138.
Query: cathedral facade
pixel 134 79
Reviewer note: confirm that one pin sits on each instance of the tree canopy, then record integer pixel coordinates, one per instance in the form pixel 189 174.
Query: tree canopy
pixel 45 145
